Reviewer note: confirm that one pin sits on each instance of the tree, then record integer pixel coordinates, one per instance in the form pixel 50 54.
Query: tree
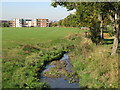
pixel 86 14
pixel 60 23
pixel 54 24
pixel 92 12
pixel 5 25
pixel 69 21
pixel 114 12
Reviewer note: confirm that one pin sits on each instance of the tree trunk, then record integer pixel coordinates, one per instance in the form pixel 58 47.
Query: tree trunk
pixel 115 46
pixel 101 29
pixel 100 17
pixel 116 34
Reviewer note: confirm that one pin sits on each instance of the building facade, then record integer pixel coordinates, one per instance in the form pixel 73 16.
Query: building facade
pixel 42 23
pixel 18 22
pixel 35 22
pixel 12 23
pixel 28 22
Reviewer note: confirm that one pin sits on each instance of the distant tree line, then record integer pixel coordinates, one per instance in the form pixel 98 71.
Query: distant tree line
pixel 5 24
pixel 53 24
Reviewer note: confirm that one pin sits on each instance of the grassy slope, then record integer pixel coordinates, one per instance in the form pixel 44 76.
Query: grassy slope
pixel 21 57
pixel 93 64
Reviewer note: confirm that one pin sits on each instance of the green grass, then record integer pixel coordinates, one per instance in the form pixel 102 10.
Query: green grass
pixel 27 50
pixel 12 37
pixel 95 66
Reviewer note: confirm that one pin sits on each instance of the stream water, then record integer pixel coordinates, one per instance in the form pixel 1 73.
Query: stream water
pixel 59 82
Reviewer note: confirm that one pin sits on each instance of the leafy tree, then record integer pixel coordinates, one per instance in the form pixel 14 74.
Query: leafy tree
pixel 89 12
pixel 50 24
pixel 114 12
pixel 60 23
pixel 86 14
pixel 70 21
pixel 5 25
pixel 54 24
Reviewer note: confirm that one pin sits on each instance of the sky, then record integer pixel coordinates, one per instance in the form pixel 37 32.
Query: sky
pixel 32 10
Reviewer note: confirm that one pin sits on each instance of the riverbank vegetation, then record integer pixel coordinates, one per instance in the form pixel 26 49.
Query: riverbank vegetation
pixel 22 63
pixel 26 51
pixel 94 65
pixel 95 58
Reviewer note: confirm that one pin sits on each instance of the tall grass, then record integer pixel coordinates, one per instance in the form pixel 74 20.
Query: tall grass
pixel 94 65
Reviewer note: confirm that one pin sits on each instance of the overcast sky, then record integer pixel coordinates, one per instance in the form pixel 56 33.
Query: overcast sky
pixel 31 9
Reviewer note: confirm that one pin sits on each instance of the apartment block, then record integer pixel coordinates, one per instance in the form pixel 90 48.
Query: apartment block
pixel 35 22
pixel 12 23
pixel 18 22
pixel 29 22
pixel 42 23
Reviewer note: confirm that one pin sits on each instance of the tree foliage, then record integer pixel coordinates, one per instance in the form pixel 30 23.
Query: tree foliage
pixel 70 21
pixel 4 24
pixel 93 14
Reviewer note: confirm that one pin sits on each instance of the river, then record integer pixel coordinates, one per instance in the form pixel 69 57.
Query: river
pixel 59 82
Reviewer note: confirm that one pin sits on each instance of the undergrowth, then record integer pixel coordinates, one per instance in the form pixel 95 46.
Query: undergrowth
pixel 94 65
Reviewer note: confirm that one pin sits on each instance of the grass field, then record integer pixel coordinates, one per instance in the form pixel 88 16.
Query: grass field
pixel 26 50
pixel 21 45
pixel 18 36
